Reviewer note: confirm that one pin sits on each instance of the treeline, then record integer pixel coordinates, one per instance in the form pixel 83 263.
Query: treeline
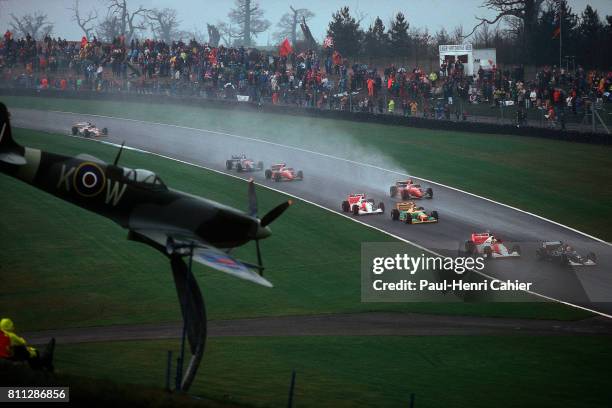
pixel 586 38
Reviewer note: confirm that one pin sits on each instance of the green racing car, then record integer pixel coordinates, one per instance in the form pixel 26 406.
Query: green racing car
pixel 409 213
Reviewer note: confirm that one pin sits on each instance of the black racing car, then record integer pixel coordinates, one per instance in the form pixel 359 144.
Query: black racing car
pixel 558 251
pixel 241 163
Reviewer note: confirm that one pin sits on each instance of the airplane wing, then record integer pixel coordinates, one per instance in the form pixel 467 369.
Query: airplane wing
pixel 12 158
pixel 208 255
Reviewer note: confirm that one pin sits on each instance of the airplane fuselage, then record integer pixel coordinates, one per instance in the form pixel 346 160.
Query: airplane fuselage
pixel 138 205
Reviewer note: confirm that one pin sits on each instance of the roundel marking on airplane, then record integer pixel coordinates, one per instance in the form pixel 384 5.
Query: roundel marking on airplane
pixel 89 179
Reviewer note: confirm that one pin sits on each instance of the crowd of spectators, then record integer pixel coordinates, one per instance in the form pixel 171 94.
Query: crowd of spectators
pixel 305 78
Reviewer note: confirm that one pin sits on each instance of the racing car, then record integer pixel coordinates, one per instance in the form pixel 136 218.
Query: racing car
pixel 280 172
pixel 409 213
pixel 408 189
pixel 88 129
pixel 490 246
pixel 358 204
pixel 564 253
pixel 241 163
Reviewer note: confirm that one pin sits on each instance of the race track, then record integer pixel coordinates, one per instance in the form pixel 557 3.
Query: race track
pixel 329 177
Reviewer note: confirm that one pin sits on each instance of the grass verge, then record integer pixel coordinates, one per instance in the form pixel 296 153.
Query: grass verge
pixel 442 371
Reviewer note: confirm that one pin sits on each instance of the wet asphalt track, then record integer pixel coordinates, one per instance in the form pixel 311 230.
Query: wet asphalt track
pixel 329 179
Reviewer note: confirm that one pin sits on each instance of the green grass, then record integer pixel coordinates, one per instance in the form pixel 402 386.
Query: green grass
pixel 568 182
pixel 442 371
pixel 87 390
pixel 65 267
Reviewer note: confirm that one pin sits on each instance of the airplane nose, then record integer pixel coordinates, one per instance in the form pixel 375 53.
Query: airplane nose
pixel 263 232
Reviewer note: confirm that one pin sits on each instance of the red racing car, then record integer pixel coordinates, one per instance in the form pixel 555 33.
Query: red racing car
pixel 280 172
pixel 408 190
pixel 490 246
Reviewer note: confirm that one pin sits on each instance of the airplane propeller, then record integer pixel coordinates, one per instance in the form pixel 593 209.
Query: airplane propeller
pixel 266 220
pixel 275 213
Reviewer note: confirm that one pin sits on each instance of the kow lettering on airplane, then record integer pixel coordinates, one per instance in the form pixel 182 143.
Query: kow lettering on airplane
pixel 115 192
pixel 64 177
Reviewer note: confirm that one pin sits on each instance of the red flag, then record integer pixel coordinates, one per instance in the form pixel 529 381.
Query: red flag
pixel 83 41
pixel 337 58
pixel 556 32
pixel 285 48
pixel 212 57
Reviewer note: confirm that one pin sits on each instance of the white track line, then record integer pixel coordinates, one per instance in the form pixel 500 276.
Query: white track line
pixel 340 159
pixel 342 215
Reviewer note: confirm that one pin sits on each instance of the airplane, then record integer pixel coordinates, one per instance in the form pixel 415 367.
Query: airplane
pixel 173 222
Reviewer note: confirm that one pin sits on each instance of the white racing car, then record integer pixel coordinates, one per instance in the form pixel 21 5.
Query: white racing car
pixel 490 247
pixel 87 129
pixel 358 204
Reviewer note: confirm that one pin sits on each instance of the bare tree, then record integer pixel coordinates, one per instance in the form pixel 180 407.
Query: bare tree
pixel 164 24
pixel 228 34
pixel 128 23
pixel 35 24
pixel 109 28
pixel 457 35
pixel 487 36
pixel 84 22
pixel 194 34
pixel 247 15
pixel 213 35
pixel 287 26
pixel 526 10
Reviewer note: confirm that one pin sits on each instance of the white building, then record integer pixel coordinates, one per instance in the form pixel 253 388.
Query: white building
pixel 472 59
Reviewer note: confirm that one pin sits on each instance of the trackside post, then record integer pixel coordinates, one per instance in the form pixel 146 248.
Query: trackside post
pixel 168 369
pixel 291 388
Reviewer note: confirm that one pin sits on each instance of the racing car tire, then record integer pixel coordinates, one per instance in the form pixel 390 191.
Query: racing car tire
pixel 345 206
pixel 277 177
pixel 355 210
pixel 517 249
pixel 429 192
pixel 469 247
pixel 75 131
pixel 105 131
pixel 435 215
pixel 408 219
pixel 395 214
pixel 300 175
pixel 488 252
pixel 86 133
pixel 228 164
pixel 405 195
pixel 239 167
pixel 381 206
pixel 268 174
pixel 260 165
pixel 563 260
pixel 393 191
pixel 592 256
